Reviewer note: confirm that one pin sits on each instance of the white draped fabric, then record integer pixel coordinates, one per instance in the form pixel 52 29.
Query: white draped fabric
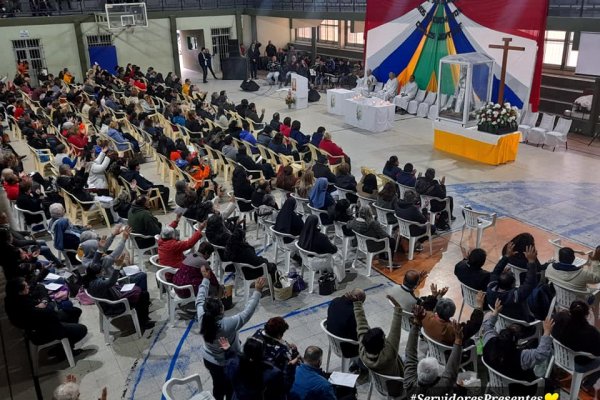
pixel 371 114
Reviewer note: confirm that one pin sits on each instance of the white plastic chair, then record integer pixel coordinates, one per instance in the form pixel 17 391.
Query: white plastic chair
pixel 382 218
pixel 564 358
pixel 479 221
pixel 365 202
pixel 380 383
pixel 404 232
pixel 557 245
pixel 558 135
pixel 346 240
pixel 402 189
pixel 423 108
pixel 239 212
pixel 169 386
pixel 133 245
pixel 537 134
pixel 310 261
pixel 528 122
pixel 469 297
pixel 156 262
pixel 362 248
pixel 335 346
pixel 173 299
pixel 438 351
pixel 433 110
pixel 564 297
pixel 498 383
pixel 21 218
pixel 343 193
pixel 411 105
pixel 319 213
pixel 216 263
pixel 516 271
pixel 286 248
pixel 106 319
pixel 35 349
pixel 302 205
pixel 239 275
pixel 505 322
pixel 426 203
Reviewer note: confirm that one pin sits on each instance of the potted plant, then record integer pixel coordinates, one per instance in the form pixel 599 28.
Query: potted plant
pixel 497 119
pixel 290 99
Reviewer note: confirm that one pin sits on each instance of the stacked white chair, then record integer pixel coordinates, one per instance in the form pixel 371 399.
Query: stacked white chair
pixel 413 105
pixel 537 135
pixel 429 101
pixel 404 102
pixel 558 136
pixel 528 122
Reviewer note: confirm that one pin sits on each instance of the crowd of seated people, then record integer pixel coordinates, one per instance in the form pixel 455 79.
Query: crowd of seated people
pixel 265 359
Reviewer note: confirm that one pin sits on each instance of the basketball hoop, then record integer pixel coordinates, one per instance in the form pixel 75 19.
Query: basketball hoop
pixel 125 16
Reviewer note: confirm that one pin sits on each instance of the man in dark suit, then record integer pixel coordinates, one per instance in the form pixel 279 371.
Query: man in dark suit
pixel 205 61
pixel 469 271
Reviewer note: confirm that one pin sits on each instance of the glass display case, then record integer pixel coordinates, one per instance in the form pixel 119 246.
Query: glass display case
pixel 464 86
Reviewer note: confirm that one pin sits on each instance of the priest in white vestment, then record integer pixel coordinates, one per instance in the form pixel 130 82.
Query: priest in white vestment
pixel 410 89
pixel 390 89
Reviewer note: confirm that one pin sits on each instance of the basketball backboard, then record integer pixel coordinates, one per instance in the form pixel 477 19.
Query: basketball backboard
pixel 124 15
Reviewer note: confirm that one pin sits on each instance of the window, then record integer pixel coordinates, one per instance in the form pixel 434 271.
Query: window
pixel 356 39
pixel 572 54
pixel 99 40
pixel 192 43
pixel 554 47
pixel 304 34
pixel 329 31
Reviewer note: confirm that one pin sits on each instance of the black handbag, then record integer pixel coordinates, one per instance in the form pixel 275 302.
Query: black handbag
pixel 326 284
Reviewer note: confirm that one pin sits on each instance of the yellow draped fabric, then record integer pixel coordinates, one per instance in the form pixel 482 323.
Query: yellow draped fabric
pixel 494 154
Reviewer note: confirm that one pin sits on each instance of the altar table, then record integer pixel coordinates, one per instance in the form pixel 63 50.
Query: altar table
pixel 371 114
pixel 335 100
pixel 478 146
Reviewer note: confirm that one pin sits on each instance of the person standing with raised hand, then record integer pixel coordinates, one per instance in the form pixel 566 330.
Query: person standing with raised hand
pixel 214 325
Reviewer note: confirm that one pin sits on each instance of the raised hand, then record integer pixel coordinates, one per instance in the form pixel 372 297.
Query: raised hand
pixel 497 307
pixel 480 299
pixel 458 332
pixel 224 343
pixel 510 250
pixel 548 325
pixel 116 229
pixel 104 394
pixel 418 315
pixel 531 254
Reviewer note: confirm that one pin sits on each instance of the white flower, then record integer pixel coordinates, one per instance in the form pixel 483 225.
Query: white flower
pixel 494 123
pixel 496 106
pixel 489 112
pixel 495 113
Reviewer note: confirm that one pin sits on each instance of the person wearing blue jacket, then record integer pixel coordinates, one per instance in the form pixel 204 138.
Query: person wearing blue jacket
pixel 298 136
pixel 247 136
pixel 279 147
pixel 502 285
pixel 316 138
pixel 311 382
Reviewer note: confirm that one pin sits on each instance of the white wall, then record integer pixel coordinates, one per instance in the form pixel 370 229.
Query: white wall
pixel 206 23
pixel 277 30
pixel 246 30
pixel 58 43
pixel 146 47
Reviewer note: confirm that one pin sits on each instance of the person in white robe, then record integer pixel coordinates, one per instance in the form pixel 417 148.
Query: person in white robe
pixel 371 81
pixel 390 89
pixel 410 89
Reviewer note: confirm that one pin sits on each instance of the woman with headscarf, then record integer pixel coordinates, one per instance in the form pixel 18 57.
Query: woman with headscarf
pixel 238 250
pixel 364 224
pixel 288 220
pixel 242 188
pixel 368 187
pixel 312 239
pixel 320 198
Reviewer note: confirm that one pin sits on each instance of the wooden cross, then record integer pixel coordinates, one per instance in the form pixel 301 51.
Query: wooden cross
pixel 506 47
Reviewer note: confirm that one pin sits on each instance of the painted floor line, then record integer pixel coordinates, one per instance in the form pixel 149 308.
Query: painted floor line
pixel 177 351
pixel 143 366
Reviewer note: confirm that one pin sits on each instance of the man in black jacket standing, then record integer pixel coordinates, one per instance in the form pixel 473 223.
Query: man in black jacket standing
pixel 205 61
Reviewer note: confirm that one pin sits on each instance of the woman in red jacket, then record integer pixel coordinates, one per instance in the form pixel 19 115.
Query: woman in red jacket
pixel 170 249
pixel 333 149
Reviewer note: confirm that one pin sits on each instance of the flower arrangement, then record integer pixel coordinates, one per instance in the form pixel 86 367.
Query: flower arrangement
pixel 497 119
pixel 290 99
